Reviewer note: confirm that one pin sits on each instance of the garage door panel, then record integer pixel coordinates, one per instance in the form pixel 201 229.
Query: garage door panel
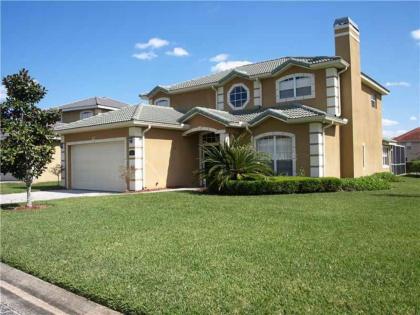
pixel 98 166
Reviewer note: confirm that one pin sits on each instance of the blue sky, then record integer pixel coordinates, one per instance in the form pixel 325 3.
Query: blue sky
pixel 83 49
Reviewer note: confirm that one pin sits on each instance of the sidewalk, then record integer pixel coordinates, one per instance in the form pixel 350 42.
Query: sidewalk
pixel 23 294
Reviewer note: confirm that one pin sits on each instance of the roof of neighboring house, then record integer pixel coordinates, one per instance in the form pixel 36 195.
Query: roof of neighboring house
pixel 93 102
pixel 259 69
pixel 412 135
pixel 168 117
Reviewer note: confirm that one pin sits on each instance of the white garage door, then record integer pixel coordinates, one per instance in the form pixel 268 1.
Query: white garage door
pixel 98 166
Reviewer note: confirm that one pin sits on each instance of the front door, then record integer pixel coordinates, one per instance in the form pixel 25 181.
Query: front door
pixel 209 139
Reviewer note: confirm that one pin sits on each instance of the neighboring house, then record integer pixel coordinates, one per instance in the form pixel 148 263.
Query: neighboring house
pixel 411 141
pixel 320 116
pixel 69 113
pixel 88 107
pixel 393 157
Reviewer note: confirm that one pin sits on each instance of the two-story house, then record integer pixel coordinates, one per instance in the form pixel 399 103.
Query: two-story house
pixel 318 116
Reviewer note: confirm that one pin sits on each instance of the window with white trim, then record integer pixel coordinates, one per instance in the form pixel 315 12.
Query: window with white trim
pixel 373 101
pixel 86 114
pixel 280 148
pixel 295 86
pixel 163 101
pixel 385 156
pixel 238 96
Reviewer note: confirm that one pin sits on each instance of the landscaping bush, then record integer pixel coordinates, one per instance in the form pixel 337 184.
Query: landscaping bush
pixel 413 166
pixel 387 176
pixel 364 183
pixel 296 184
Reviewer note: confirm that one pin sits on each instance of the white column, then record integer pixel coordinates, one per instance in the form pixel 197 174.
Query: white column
pixel 135 158
pixel 257 93
pixel 220 99
pixel 224 138
pixel 316 143
pixel 333 98
pixel 63 162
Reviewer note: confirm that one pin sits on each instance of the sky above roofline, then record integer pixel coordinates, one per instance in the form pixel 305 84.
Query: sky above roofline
pixel 118 50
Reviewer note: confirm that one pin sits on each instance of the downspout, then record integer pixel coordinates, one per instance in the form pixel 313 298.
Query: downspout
pixel 144 155
pixel 339 89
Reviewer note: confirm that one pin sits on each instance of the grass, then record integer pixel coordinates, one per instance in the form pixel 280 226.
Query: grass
pixel 12 188
pixel 186 253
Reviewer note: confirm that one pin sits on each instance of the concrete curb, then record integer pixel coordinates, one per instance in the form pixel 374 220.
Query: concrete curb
pixel 44 296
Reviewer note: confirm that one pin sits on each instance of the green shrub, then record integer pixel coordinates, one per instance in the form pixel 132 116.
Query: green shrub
pixel 413 166
pixel 364 183
pixel 387 176
pixel 296 184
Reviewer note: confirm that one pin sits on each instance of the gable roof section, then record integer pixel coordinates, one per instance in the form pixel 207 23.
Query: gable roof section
pixel 93 102
pixel 290 113
pixel 254 70
pixel 412 135
pixel 139 114
pixel 374 84
pixel 166 117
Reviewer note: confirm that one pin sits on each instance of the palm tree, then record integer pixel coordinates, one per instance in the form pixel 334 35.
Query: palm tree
pixel 233 161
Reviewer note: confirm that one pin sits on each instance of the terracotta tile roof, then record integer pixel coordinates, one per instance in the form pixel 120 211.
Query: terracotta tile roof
pixel 412 135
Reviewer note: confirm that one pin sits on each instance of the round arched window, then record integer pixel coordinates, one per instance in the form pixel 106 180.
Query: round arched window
pixel 238 96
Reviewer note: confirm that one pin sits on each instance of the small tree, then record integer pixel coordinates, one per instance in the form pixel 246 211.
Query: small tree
pixel 56 170
pixel 28 144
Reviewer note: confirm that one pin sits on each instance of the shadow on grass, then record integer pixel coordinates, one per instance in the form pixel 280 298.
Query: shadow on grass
pixel 10 206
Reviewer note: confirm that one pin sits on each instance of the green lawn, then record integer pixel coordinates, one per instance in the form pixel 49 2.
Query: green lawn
pixel 12 188
pixel 186 253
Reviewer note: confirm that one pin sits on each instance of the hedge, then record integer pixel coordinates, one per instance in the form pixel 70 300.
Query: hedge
pixel 413 166
pixel 295 184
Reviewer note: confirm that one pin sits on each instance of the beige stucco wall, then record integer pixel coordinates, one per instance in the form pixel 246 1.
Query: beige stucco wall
pixel 201 121
pixel 332 151
pixel 47 176
pixel 301 132
pixel 187 100
pixel 171 159
pixel 68 117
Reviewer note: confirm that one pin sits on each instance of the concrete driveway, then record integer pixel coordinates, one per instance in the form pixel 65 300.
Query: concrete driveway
pixel 51 195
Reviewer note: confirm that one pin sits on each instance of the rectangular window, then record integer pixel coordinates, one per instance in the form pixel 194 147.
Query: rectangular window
pixel 385 156
pixel 296 86
pixel 373 100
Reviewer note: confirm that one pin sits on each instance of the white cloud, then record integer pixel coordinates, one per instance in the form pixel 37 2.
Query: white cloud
pixel 145 55
pixel 413 118
pixel 389 122
pixel 3 93
pixel 178 52
pixel 225 65
pixel 416 34
pixel 219 58
pixel 393 133
pixel 153 43
pixel 400 83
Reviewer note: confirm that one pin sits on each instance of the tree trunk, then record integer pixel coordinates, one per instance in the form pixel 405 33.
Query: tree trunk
pixel 29 194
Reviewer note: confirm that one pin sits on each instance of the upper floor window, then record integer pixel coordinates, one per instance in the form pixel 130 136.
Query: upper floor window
pixel 373 102
pixel 163 101
pixel 295 86
pixel 238 96
pixel 86 114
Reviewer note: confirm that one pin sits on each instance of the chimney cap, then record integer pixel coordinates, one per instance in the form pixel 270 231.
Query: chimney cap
pixel 345 21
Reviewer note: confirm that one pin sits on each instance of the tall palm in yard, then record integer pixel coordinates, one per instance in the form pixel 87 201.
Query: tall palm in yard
pixel 233 161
